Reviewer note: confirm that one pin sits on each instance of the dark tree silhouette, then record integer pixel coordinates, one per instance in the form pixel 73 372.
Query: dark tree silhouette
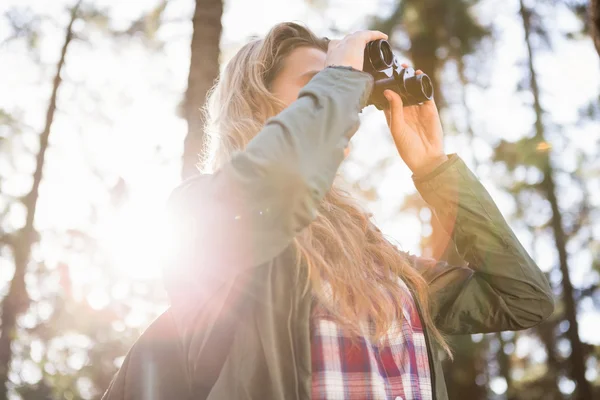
pixel 204 69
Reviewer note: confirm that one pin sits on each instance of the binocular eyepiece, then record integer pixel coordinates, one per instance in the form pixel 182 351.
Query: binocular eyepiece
pixel 381 63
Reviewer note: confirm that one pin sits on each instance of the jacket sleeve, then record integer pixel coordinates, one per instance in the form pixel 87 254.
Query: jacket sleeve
pixel 153 367
pixel 249 211
pixel 501 288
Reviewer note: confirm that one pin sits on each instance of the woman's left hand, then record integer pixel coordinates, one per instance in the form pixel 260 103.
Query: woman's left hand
pixel 417 132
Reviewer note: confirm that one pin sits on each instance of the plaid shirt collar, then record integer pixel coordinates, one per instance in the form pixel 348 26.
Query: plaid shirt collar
pixel 343 371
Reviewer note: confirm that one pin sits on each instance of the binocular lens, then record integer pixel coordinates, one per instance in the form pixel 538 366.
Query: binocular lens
pixel 426 86
pixel 419 87
pixel 378 56
pixel 386 53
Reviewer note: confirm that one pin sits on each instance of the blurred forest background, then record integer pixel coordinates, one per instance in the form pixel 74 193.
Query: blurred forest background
pixel 99 121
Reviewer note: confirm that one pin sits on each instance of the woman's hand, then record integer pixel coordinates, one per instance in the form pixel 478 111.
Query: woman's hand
pixel 350 51
pixel 417 133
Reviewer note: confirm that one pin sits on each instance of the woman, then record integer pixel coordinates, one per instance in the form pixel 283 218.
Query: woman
pixel 282 288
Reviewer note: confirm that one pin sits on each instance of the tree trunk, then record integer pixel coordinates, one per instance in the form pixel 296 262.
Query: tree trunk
pixel 461 374
pixel 577 358
pixel 423 48
pixel 504 364
pixel 17 299
pixel 595 23
pixel 546 334
pixel 204 69
pixel 425 43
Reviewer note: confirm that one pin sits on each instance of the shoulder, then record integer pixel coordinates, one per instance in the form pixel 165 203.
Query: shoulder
pixel 185 185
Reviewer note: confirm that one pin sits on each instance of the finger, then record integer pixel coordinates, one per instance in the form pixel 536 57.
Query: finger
pixel 369 36
pixel 396 107
pixel 430 106
pixel 427 110
pixel 388 116
pixel 393 97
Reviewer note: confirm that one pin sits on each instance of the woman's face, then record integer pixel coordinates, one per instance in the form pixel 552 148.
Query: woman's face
pixel 298 68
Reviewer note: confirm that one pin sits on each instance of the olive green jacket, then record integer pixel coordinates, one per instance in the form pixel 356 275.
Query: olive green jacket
pixel 238 324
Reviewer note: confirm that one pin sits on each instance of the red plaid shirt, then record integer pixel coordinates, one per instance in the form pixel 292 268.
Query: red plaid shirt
pixel 340 371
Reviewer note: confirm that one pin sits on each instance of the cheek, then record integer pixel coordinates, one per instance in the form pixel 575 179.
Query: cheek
pixel 291 94
pixel 287 93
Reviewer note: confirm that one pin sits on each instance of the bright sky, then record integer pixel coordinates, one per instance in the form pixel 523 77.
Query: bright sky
pixel 117 112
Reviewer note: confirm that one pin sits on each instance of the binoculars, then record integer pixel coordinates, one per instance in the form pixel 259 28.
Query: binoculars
pixel 383 65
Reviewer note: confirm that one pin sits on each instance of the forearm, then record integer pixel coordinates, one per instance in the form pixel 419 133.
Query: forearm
pixel 482 236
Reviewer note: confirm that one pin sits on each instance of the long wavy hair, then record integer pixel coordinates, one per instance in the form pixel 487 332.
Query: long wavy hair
pixel 350 263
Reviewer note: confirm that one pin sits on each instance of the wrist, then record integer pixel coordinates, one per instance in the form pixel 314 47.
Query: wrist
pixel 429 165
pixel 348 67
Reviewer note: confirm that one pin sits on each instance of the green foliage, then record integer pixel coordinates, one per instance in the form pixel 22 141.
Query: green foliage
pixel 146 26
pixel 450 25
pixel 529 152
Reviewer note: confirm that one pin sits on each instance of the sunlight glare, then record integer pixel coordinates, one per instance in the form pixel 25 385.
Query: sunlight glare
pixel 136 239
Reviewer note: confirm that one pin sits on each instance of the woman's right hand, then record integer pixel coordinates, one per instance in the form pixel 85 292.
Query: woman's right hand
pixel 349 52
